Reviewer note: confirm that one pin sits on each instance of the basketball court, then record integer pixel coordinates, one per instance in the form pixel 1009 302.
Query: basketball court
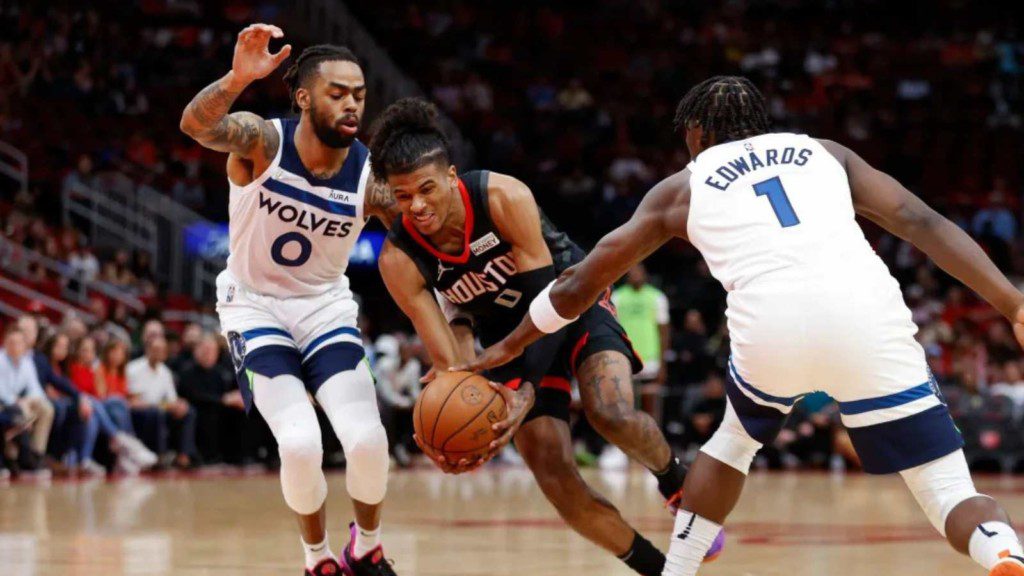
pixel 494 522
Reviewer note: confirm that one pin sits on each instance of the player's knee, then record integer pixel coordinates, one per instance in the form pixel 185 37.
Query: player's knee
pixel 301 450
pixel 731 445
pixel 609 420
pixel 940 486
pixel 367 455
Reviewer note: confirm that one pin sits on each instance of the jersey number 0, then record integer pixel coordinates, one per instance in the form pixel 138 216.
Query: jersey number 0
pixel 772 188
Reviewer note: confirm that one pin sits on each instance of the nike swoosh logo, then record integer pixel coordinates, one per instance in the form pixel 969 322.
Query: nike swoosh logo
pixel 686 533
pixel 986 532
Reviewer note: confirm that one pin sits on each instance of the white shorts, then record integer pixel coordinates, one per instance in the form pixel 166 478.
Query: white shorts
pixel 273 336
pixel 854 342
pixel 306 323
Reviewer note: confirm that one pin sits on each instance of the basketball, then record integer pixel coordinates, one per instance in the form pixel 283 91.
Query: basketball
pixel 454 414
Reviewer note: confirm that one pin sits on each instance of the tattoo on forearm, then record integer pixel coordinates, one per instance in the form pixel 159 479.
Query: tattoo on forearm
pixel 238 132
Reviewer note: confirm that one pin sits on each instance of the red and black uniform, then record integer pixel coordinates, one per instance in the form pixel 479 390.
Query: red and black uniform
pixel 483 284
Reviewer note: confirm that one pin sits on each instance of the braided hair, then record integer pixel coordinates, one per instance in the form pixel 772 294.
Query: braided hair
pixel 407 136
pixel 307 63
pixel 728 107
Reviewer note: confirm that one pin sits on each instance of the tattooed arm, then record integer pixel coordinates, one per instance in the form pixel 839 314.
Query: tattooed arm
pixel 380 202
pixel 244 134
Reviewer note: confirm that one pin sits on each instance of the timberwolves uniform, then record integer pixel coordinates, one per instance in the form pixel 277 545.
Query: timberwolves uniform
pixel 810 305
pixel 480 286
pixel 285 287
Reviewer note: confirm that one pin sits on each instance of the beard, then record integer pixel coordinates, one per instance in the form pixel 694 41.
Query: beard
pixel 325 131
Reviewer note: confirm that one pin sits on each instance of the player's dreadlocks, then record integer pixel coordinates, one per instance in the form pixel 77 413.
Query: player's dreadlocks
pixel 407 136
pixel 728 107
pixel 306 64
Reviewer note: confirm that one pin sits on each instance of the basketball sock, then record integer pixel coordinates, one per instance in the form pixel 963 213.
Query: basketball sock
pixel 643 557
pixel 991 542
pixel 670 480
pixel 316 552
pixel 692 537
pixel 365 541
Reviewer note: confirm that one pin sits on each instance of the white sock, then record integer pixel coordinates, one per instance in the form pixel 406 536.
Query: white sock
pixel 316 552
pixel 991 542
pixel 692 537
pixel 366 540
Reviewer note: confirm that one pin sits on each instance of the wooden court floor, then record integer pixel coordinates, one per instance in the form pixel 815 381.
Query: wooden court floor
pixel 493 522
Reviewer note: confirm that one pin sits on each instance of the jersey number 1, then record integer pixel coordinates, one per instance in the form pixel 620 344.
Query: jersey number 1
pixel 772 188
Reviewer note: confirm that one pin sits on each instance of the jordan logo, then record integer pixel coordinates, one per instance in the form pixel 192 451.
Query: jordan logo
pixel 441 269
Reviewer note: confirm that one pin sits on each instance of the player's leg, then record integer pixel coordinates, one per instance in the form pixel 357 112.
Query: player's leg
pixel 340 378
pixel 269 370
pixel 546 446
pixel 974 524
pixel 606 391
pixel 715 480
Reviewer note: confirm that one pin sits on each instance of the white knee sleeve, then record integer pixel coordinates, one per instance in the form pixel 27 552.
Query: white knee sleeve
pixel 284 405
pixel 350 401
pixel 940 485
pixel 731 444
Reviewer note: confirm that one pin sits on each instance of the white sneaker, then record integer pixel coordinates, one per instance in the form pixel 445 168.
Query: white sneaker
pixel 126 466
pixel 137 451
pixel 92 468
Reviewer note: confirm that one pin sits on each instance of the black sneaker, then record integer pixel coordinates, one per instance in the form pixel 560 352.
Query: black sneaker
pixel 373 563
pixel 326 567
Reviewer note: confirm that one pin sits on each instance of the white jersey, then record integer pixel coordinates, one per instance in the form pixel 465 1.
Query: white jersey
pixel 773 217
pixel 291 233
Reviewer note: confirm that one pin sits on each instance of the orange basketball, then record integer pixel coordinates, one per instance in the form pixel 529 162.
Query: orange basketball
pixel 454 414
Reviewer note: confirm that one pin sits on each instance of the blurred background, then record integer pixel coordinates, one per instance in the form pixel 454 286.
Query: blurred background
pixel 114 223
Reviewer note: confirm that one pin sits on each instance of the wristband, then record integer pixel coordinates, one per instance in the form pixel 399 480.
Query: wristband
pixel 544 315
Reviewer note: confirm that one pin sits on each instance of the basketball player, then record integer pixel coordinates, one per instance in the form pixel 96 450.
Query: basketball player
pixel 301 191
pixel 479 242
pixel 811 307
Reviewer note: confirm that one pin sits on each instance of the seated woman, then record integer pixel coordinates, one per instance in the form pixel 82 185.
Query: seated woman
pixel 132 455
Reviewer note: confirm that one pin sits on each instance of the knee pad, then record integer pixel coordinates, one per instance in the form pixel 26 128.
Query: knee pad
pixel 366 473
pixel 731 444
pixel 350 401
pixel 940 486
pixel 283 403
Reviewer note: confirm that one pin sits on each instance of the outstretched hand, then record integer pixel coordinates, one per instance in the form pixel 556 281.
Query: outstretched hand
pixel 496 355
pixel 253 60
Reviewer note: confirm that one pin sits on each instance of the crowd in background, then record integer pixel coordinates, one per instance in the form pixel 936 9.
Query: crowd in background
pixel 576 100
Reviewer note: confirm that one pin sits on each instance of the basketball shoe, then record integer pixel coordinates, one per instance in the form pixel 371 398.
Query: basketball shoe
pixel 326 567
pixel 373 563
pixel 1009 566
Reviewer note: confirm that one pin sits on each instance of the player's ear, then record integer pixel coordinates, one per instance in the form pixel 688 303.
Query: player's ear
pixel 453 176
pixel 302 99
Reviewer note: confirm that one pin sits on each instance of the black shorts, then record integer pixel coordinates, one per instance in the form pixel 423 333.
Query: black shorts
pixel 597 330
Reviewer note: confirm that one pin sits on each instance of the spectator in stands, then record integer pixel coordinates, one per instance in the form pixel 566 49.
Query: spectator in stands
pixel 643 312
pixel 67 405
pixel 182 352
pixel 81 177
pixel 398 372
pixel 112 384
pixel 210 387
pixel 19 386
pixel 155 402
pixel 83 263
pixel 132 455
pixel 153 328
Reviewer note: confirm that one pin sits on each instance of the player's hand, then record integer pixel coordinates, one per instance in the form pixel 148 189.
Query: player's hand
pixel 253 59
pixel 429 376
pixel 496 355
pixel 518 404
pixel 463 465
pixel 1018 325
